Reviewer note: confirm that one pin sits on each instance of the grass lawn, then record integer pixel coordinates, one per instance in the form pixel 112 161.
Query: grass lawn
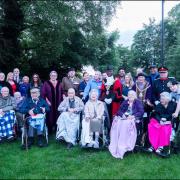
pixel 55 161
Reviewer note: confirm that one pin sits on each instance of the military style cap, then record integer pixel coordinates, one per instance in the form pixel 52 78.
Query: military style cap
pixel 162 69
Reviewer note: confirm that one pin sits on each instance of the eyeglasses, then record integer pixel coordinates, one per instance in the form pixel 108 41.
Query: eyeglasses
pixel 35 77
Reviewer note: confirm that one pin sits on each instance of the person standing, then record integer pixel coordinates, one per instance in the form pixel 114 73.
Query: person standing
pixel 16 76
pixel 94 83
pixel 52 93
pixel 3 83
pixel 13 84
pixel 160 84
pixel 71 81
pixel 83 84
pixel 121 74
pixel 153 74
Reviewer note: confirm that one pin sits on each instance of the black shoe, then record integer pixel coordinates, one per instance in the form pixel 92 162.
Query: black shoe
pixel 61 139
pixel 69 145
pixel 24 147
pixel 162 153
pixel 30 141
pixel 10 138
pixel 40 141
pixel 175 150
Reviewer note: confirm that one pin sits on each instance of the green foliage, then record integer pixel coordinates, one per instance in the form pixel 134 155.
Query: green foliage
pixel 11 23
pixel 59 34
pixel 146 47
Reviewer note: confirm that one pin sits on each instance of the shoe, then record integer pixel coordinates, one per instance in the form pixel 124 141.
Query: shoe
pixel 175 150
pixel 40 141
pixel 30 141
pixel 10 138
pixel 160 152
pixel 90 145
pixel 69 145
pixel 23 147
pixel 151 149
pixel 60 139
pixel 96 145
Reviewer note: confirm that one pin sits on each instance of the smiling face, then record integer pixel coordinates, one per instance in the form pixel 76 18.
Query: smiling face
pixel 2 76
pixel 163 74
pixel 71 74
pixel 163 100
pixel 10 76
pixel 4 92
pixel 93 96
pixel 71 93
pixel 173 88
pixel 53 76
pixel 86 77
pixel 121 72
pixel 109 73
pixel 127 79
pixel 16 72
pixel 153 70
pixel 141 79
pixel 131 96
pixel 35 78
pixel 35 93
pixel 97 75
pixel 25 79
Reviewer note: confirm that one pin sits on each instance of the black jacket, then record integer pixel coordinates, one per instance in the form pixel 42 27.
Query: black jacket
pixel 162 112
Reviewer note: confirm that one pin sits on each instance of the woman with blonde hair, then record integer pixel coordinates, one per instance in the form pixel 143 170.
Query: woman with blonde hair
pixel 128 84
pixel 11 81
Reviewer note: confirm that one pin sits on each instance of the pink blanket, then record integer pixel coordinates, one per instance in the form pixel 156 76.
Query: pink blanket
pixel 122 137
pixel 159 135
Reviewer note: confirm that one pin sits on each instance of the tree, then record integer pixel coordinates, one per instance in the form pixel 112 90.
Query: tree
pixel 11 26
pixel 59 34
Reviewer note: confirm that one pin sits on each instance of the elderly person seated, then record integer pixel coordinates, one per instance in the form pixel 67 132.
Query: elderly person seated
pixel 126 126
pixel 160 126
pixel 35 107
pixel 69 119
pixel 7 115
pixel 19 100
pixel 92 122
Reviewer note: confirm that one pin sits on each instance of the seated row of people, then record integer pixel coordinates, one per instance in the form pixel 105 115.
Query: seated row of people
pixel 126 130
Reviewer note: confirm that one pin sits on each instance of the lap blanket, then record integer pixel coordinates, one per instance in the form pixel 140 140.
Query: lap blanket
pixel 37 121
pixel 159 135
pixel 7 122
pixel 123 136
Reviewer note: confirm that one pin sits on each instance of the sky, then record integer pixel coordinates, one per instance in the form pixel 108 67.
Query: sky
pixel 131 15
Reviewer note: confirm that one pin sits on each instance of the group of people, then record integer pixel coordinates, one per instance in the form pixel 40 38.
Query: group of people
pixel 140 111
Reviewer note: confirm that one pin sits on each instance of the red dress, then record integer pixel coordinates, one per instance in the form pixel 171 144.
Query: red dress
pixel 117 90
pixel 14 87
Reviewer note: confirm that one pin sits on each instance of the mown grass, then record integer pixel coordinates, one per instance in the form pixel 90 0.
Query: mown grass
pixel 55 161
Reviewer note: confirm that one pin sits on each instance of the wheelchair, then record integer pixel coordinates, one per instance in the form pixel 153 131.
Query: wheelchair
pixel 166 150
pixel 103 135
pixel 25 129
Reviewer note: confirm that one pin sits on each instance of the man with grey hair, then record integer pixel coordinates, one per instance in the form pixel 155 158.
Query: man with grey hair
pixel 35 107
pixel 69 119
